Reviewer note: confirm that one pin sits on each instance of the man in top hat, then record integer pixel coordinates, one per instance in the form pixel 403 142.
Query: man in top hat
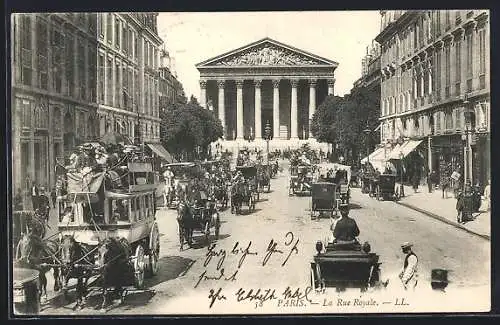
pixel 346 229
pixel 408 274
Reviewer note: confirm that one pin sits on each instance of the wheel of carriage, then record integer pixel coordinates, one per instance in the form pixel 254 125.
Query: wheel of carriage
pixel 207 232
pixel 217 228
pixel 268 188
pixel 154 251
pixel 139 267
pixel 312 278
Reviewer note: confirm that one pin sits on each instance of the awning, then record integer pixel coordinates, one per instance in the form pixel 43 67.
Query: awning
pixel 376 155
pixel 394 154
pixel 409 146
pixel 161 151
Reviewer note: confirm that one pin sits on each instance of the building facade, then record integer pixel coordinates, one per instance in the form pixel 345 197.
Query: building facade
pixel 128 55
pixel 170 88
pixel 54 98
pixel 432 61
pixel 266 82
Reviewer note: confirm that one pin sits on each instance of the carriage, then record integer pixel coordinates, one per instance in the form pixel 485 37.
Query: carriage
pixel 324 199
pixel 201 217
pixel 342 179
pixel 99 209
pixel 264 177
pixel 245 192
pixel 344 266
pixel 301 182
pixel 385 187
pixel 183 173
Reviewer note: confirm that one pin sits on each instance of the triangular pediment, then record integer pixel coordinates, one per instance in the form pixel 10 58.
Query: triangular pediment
pixel 266 53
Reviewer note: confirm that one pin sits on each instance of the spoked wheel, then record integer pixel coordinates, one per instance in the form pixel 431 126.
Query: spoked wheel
pixel 207 232
pixel 139 267
pixel 217 227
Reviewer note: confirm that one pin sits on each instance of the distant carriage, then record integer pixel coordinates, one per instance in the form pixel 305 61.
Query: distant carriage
pixel 264 177
pixel 201 217
pixel 301 180
pixel 324 199
pixel 245 192
pixel 385 187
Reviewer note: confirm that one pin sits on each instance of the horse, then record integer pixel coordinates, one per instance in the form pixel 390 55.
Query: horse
pixel 240 193
pixel 186 221
pixel 72 253
pixel 115 268
pixel 219 192
pixel 41 255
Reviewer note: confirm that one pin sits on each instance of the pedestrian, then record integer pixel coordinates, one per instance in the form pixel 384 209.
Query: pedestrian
pixel 53 197
pixel 18 200
pixel 34 196
pixel 415 181
pixel 487 195
pixel 429 181
pixel 409 272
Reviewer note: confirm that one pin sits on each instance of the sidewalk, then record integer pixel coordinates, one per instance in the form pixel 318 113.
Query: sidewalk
pixel 433 205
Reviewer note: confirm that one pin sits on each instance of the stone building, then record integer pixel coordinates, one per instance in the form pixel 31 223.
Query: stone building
pixel 266 82
pixel 431 61
pixel 170 88
pixel 128 83
pixel 54 104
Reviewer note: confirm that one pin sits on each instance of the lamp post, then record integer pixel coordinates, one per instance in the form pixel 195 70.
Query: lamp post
pixel 401 186
pixel 267 134
pixel 367 132
pixel 468 113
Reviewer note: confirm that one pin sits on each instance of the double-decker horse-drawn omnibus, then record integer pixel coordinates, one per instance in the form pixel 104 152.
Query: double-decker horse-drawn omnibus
pixel 107 229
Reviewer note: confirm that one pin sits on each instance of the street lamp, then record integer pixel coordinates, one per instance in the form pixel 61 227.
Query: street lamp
pixel 401 186
pixel 267 134
pixel 468 114
pixel 367 132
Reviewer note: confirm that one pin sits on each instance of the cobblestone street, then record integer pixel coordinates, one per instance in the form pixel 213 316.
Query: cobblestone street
pixel 384 224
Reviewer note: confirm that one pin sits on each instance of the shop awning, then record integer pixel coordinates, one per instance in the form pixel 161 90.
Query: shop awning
pixel 376 155
pixel 394 154
pixel 410 146
pixel 404 149
pixel 161 151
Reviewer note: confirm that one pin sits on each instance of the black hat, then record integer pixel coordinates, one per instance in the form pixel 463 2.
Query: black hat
pixel 344 207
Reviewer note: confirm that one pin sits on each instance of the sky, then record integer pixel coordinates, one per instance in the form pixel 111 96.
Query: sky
pixel 341 36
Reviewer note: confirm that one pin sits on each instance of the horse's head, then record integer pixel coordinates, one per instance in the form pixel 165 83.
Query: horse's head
pixel 69 248
pixel 106 251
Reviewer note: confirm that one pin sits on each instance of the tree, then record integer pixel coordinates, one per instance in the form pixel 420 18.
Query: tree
pixel 323 121
pixel 187 126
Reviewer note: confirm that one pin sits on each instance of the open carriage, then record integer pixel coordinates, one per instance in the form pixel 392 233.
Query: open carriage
pixel 264 177
pixel 245 192
pixel 200 217
pixel 301 182
pixel 183 173
pixel 345 266
pixel 101 210
pixel 386 187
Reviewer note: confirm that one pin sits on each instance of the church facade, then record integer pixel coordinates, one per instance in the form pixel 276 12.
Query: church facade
pixel 266 83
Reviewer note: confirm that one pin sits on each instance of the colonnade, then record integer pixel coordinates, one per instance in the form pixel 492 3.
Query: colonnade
pixel 258 103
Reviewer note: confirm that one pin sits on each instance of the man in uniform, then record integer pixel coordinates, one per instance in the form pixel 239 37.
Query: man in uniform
pixel 346 228
pixel 408 274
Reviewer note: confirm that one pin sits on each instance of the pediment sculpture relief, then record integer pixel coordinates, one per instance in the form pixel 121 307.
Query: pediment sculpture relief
pixel 268 55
